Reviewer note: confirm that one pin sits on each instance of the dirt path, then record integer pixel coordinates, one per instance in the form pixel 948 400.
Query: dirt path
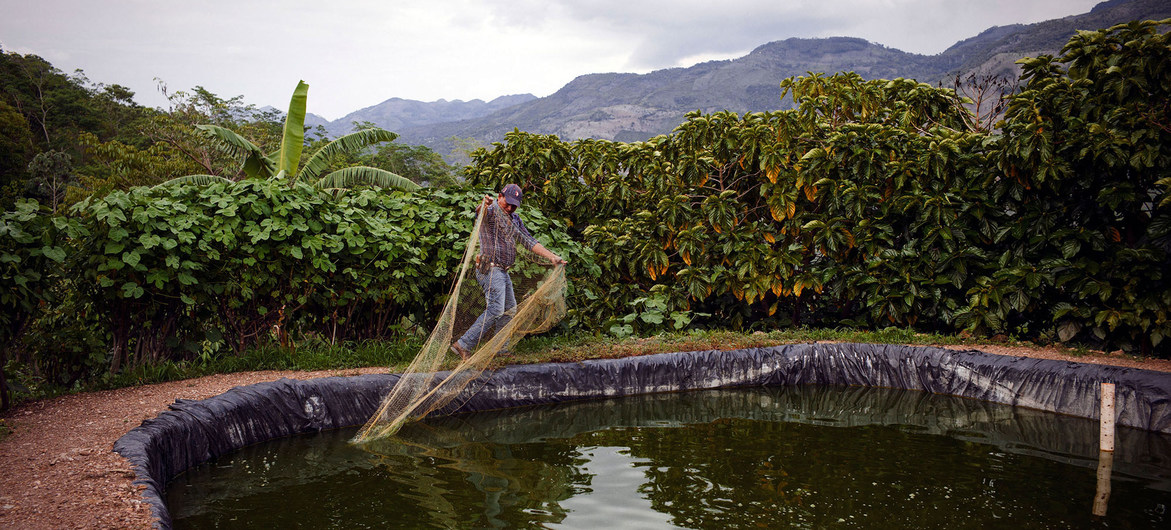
pixel 57 469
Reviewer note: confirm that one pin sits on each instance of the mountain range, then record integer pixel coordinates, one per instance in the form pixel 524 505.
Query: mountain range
pixel 633 107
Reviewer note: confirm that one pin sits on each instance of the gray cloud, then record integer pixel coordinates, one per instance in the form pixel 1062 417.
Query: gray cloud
pixel 664 31
pixel 356 53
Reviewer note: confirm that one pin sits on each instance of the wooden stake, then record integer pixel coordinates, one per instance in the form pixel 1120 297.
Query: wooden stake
pixel 1106 419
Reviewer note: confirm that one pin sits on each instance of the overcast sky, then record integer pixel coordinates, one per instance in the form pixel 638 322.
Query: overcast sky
pixel 358 53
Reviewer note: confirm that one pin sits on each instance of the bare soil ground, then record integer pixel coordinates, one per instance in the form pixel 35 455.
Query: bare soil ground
pixel 58 470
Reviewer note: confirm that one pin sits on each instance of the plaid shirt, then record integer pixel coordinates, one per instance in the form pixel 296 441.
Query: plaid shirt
pixel 499 234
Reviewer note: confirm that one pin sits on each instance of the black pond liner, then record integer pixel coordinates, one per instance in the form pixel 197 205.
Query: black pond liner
pixel 195 431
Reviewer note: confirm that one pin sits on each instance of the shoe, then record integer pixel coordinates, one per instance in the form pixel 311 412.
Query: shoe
pixel 459 350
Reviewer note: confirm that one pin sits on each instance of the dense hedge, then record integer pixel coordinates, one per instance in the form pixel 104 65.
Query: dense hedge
pixel 236 262
pixel 173 272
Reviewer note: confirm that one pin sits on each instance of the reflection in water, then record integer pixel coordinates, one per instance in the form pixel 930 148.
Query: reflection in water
pixel 1102 496
pixel 807 456
pixel 506 476
pixel 615 493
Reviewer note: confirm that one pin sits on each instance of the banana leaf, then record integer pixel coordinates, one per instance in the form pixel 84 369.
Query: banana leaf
pixel 365 176
pixel 202 180
pixel 256 164
pixel 294 136
pixel 350 143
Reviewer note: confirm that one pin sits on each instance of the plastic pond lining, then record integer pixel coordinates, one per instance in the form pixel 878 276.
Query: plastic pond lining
pixel 195 431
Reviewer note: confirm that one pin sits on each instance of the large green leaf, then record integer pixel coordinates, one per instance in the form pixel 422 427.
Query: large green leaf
pixel 201 180
pixel 350 143
pixel 294 137
pixel 256 164
pixel 365 175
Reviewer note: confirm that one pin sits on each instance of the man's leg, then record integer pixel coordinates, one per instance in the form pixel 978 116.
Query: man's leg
pixel 494 299
pixel 508 313
pixel 509 302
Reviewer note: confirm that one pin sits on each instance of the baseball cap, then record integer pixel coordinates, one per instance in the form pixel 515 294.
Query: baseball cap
pixel 511 194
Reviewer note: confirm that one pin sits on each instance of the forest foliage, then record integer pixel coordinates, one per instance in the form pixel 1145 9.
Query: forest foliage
pixel 873 203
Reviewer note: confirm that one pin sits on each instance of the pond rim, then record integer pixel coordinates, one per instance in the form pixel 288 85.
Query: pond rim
pixel 194 431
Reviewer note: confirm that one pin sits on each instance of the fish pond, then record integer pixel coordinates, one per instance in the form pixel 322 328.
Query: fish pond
pixel 803 456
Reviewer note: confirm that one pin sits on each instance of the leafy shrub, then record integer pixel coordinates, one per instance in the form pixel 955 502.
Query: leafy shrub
pixel 29 254
pixel 183 267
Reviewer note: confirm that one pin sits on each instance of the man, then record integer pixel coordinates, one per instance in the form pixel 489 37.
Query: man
pixel 500 231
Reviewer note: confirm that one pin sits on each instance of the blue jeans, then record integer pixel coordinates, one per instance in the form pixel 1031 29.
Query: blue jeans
pixel 499 304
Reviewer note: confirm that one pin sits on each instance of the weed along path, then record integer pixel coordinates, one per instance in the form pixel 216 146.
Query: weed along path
pixel 59 470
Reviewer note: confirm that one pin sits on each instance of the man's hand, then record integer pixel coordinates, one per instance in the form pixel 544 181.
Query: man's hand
pixel 540 250
pixel 483 204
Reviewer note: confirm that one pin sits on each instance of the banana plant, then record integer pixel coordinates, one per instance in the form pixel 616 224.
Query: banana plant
pixel 286 162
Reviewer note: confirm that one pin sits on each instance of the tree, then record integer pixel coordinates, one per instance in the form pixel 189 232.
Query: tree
pixel 178 130
pixel 56 105
pixel 117 165
pixel 1086 167
pixel 16 151
pixel 91 122
pixel 462 149
pixel 416 162
pixel 51 172
pixel 145 146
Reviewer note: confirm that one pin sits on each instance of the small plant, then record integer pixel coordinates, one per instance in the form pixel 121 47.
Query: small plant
pixel 650 314
pixel 4 430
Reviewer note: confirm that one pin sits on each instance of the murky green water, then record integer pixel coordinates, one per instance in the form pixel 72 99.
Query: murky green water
pixel 761 458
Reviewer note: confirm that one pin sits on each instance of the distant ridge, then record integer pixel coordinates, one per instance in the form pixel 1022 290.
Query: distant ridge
pixel 396 114
pixel 634 107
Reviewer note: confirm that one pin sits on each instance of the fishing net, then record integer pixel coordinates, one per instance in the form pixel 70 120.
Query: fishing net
pixel 533 292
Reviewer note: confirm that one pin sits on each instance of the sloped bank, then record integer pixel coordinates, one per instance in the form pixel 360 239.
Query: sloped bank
pixel 196 431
